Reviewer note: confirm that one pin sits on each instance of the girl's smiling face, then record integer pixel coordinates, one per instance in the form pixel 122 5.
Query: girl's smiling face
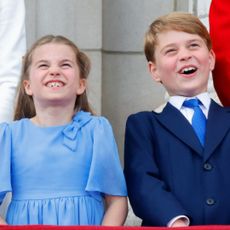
pixel 183 63
pixel 54 76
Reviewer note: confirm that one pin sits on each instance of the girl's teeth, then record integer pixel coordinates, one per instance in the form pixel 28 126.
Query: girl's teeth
pixel 54 84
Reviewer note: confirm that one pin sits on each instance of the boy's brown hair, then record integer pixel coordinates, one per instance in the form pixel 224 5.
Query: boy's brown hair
pixel 178 21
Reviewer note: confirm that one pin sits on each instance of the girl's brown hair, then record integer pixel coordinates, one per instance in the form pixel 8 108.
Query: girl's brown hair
pixel 25 105
pixel 178 21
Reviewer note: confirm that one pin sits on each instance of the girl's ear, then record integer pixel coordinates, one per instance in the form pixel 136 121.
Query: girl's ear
pixel 82 87
pixel 154 71
pixel 26 84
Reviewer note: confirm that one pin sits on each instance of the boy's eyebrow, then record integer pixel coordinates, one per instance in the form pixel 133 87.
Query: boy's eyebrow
pixel 196 40
pixel 167 46
pixel 174 44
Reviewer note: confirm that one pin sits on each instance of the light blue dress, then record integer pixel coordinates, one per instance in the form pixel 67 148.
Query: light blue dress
pixel 58 175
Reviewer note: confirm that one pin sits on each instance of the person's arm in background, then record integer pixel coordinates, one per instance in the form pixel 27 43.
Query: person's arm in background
pixel 219 19
pixel 12 49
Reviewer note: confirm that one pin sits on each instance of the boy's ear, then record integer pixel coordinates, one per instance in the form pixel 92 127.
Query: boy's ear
pixel 153 71
pixel 26 84
pixel 212 60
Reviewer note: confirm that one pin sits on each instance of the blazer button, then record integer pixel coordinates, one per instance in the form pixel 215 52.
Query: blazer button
pixel 207 166
pixel 210 201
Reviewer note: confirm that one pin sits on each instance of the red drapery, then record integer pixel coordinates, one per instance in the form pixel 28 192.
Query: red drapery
pixel 219 17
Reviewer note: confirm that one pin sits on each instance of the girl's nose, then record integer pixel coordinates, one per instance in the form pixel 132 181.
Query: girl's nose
pixel 54 71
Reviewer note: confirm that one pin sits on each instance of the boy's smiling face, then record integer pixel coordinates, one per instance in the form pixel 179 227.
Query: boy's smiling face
pixel 182 63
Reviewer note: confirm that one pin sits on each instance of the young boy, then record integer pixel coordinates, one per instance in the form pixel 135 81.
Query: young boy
pixel 176 175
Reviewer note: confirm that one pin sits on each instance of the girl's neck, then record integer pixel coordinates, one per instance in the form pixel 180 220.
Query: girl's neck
pixel 53 117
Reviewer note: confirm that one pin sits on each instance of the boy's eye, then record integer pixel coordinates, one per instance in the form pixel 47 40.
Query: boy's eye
pixel 193 45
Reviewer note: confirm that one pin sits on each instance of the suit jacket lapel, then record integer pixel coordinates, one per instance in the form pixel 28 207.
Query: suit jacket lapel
pixel 218 124
pixel 176 123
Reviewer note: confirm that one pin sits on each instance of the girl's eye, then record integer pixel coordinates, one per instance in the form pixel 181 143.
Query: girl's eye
pixel 66 65
pixel 43 66
pixel 170 51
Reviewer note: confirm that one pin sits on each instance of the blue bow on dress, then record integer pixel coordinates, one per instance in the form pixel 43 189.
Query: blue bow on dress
pixel 71 130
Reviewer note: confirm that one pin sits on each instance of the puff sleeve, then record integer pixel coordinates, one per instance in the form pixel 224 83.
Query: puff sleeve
pixel 5 160
pixel 106 175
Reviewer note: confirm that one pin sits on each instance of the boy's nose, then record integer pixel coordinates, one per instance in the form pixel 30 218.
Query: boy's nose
pixel 185 55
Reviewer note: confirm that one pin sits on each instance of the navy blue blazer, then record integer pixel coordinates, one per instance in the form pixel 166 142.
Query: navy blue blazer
pixel 169 173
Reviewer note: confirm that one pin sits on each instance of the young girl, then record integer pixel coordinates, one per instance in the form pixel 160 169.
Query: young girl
pixel 60 162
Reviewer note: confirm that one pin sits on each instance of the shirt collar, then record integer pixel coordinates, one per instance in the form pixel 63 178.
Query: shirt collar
pixel 177 101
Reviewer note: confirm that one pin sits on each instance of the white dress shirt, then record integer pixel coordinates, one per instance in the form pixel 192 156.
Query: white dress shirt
pixel 177 102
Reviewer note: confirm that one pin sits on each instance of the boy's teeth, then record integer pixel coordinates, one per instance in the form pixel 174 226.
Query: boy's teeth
pixel 188 70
